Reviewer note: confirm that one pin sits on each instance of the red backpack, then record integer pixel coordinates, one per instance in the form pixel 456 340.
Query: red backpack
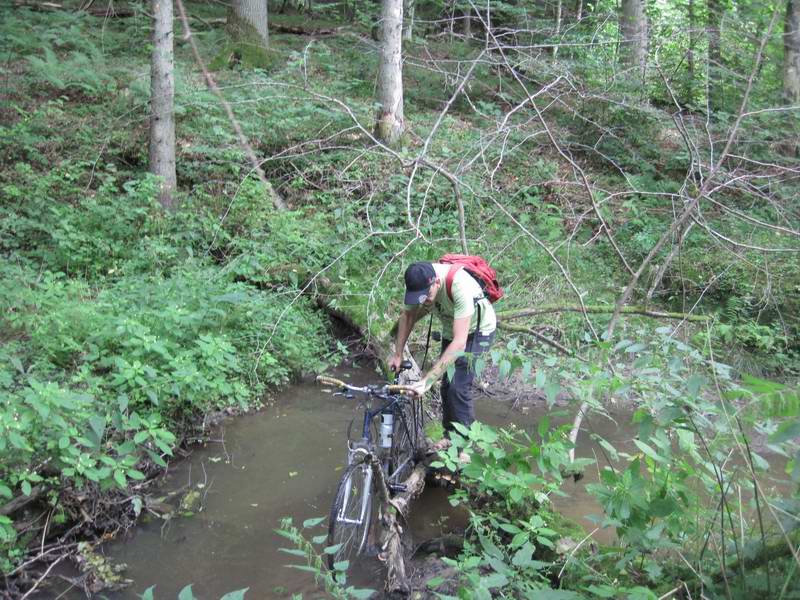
pixel 480 270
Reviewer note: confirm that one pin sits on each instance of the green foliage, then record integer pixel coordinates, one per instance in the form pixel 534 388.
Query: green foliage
pixel 313 554
pixel 659 492
pixel 78 70
pixel 508 468
pixel 187 594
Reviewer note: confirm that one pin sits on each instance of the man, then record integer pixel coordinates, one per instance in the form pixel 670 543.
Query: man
pixel 468 325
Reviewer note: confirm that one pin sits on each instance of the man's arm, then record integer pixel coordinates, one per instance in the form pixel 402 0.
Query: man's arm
pixel 404 326
pixel 454 348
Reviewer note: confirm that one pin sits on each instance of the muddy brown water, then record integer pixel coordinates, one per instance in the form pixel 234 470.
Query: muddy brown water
pixel 285 461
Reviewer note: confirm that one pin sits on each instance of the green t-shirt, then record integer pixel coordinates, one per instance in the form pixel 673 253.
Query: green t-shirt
pixel 465 290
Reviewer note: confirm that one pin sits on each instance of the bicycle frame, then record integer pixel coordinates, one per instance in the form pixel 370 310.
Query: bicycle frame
pixel 366 431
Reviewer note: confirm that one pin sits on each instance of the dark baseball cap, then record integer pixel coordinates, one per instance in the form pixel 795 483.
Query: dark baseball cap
pixel 419 278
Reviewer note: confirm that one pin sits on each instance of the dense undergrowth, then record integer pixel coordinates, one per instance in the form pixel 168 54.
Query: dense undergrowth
pixel 121 324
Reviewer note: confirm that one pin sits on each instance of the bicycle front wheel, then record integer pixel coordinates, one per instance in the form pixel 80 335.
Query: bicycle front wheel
pixel 404 443
pixel 351 514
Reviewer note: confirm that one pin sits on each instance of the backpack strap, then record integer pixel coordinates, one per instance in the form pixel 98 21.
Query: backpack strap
pixel 451 274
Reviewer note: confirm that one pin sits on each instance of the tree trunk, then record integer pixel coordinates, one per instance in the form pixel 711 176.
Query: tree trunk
pixel 162 93
pixel 633 30
pixel 467 23
pixel 247 22
pixel 791 53
pixel 690 52
pixel 713 23
pixel 579 10
pixel 408 23
pixel 390 125
pixel 557 32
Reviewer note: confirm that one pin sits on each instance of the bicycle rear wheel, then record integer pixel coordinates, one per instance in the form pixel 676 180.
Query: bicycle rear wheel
pixel 351 513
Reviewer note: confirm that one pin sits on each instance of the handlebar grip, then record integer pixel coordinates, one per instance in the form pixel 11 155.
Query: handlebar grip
pixel 401 389
pixel 325 380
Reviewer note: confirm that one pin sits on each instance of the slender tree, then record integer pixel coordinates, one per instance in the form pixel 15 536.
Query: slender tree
pixel 791 53
pixel 390 125
pixel 162 93
pixel 248 21
pixel 713 27
pixel 690 58
pixel 633 30
pixel 408 22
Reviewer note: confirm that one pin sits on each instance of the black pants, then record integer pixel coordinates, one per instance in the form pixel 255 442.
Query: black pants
pixel 457 403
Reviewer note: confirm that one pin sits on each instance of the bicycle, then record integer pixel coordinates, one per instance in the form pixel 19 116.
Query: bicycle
pixel 373 468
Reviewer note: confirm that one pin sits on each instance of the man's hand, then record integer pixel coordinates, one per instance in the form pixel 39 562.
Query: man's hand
pixel 394 362
pixel 420 387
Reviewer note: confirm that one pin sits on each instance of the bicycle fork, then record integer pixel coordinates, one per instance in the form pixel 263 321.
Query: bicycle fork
pixel 365 498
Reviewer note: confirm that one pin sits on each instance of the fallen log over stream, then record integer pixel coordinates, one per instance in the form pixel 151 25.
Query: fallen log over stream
pixel 393 522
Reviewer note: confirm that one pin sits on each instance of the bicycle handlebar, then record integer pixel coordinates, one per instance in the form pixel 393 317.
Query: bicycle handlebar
pixel 367 389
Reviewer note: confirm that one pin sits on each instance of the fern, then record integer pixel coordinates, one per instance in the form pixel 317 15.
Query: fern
pixel 81 69
pixel 768 398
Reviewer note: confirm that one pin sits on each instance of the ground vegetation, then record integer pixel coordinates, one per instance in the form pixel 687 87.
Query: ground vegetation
pixel 632 174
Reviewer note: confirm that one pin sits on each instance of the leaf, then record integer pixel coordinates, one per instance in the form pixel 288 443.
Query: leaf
pixel 17 364
pixel 25 486
pixel 157 459
pixel 332 549
pixel 98 425
pixel 237 595
pixel 18 441
pixel 148 593
pixel 633 348
pixel 622 344
pixel 544 426
pixel 663 507
pixel 360 593
pixel 435 582
pixel 186 593
pixel 119 477
pixel 494 580
pixel 293 551
pixel 551 390
pixel 522 558
pixel 341 565
pixel 787 431
pixel 648 450
pixel 612 452
pixel 693 385
pixel 509 528
pixel 557 595
pixel 602 590
pixel 5 491
pixel 312 522
pixel 134 474
pixel 305 568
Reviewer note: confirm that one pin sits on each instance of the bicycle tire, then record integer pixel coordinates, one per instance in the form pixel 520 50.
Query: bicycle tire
pixel 404 443
pixel 351 513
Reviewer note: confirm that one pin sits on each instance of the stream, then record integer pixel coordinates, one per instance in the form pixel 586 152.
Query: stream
pixel 285 461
